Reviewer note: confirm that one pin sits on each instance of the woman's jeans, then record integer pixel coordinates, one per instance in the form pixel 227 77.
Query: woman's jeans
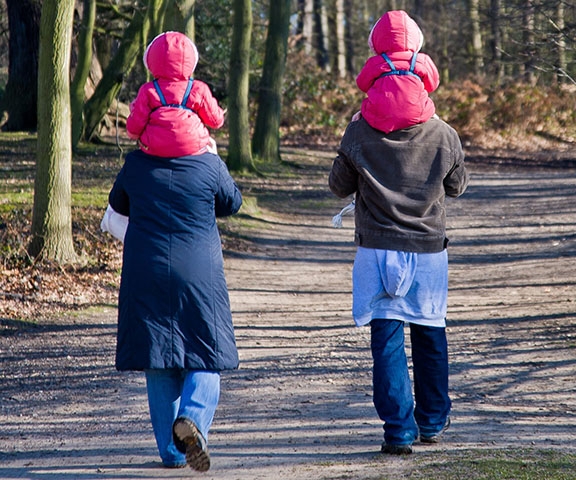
pixel 393 397
pixel 173 393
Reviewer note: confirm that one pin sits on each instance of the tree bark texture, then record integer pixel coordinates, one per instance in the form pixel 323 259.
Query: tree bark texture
pixel 52 212
pixel 180 17
pixel 266 138
pixel 239 150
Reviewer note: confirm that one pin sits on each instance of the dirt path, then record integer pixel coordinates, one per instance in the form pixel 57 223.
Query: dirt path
pixel 300 406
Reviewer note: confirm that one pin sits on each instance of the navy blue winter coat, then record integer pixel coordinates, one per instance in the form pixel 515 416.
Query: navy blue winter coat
pixel 174 309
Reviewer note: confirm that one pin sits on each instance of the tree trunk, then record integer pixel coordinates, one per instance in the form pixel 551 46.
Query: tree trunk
pixel 562 64
pixel 157 14
pixel 20 97
pixel 495 14
pixel 266 139
pixel 305 27
pixel 349 37
pixel 528 37
pixel 321 35
pixel 180 17
pixel 477 57
pixel 82 69
pixel 419 10
pixel 121 64
pixel 339 42
pixel 52 212
pixel 239 151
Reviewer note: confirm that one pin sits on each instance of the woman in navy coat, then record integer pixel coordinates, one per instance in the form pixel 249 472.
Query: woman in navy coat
pixel 174 320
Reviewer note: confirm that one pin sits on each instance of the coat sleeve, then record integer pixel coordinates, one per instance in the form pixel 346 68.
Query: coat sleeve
pixel 427 71
pixel 343 179
pixel 207 106
pixel 228 198
pixel 370 72
pixel 139 114
pixel 457 179
pixel 118 199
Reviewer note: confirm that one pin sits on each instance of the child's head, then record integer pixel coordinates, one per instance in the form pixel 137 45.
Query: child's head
pixel 171 55
pixel 395 31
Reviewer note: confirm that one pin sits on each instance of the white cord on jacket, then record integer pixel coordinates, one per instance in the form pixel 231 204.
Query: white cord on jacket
pixel 348 209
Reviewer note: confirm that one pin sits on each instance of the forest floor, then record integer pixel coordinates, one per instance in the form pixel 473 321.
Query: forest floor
pixel 299 407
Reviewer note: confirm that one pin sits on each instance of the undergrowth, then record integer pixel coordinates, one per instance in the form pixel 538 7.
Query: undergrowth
pixel 317 107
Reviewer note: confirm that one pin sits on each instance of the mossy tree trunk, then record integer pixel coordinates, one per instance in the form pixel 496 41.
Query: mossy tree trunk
pixel 52 212
pixel 239 151
pixel 82 69
pixel 266 139
pixel 180 17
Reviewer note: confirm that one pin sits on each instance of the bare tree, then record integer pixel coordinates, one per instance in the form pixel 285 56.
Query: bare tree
pixel 52 212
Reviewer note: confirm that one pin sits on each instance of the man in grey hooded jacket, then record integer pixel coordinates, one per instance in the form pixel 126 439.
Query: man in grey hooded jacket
pixel 400 181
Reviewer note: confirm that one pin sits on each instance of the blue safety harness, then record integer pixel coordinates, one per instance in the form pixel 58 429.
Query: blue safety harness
pixel 395 71
pixel 174 105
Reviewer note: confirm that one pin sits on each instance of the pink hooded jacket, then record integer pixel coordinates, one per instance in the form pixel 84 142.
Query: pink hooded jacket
pixel 394 102
pixel 169 131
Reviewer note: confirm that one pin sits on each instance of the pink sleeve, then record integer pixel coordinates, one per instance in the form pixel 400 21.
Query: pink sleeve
pixel 139 114
pixel 370 72
pixel 428 72
pixel 206 106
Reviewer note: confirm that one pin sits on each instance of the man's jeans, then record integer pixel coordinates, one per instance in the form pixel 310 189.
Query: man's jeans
pixel 393 397
pixel 173 393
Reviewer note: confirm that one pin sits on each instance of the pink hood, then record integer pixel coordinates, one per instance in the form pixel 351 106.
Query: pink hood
pixel 395 31
pixel 171 55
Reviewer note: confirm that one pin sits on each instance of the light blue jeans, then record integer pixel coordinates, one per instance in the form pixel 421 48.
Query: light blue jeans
pixel 173 393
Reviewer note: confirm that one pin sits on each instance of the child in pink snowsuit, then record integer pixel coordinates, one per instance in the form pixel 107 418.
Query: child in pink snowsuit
pixel 398 78
pixel 170 115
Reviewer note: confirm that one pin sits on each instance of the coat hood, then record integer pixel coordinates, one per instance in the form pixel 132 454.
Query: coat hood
pixel 171 55
pixel 395 31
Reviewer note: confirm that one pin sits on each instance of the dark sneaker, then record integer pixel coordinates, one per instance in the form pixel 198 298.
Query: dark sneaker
pixel 189 440
pixel 393 449
pixel 435 437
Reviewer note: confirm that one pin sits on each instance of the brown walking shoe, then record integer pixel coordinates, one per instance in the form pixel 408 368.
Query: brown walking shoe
pixel 189 440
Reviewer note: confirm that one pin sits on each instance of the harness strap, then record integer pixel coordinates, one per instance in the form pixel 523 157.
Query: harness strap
pixel 395 71
pixel 174 105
